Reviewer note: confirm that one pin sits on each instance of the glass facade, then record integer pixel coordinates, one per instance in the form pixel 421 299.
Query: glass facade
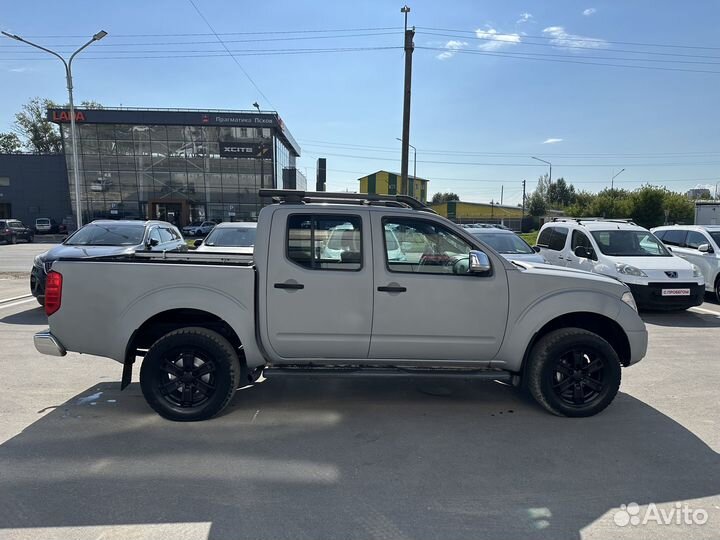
pixel 177 173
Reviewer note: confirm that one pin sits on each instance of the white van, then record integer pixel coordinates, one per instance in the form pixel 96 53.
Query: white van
pixel 629 253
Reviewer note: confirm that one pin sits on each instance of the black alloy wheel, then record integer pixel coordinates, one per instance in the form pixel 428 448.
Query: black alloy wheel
pixel 573 372
pixel 190 374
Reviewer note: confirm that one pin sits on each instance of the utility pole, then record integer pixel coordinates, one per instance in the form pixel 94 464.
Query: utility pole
pixel 502 189
pixel 523 207
pixel 409 46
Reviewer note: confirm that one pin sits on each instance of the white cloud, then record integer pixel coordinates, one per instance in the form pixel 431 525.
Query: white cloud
pixel 552 141
pixel 589 11
pixel 19 69
pixel 494 40
pixel 452 47
pixel 524 17
pixel 560 38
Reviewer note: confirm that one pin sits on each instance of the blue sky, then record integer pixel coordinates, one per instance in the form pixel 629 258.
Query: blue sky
pixel 483 100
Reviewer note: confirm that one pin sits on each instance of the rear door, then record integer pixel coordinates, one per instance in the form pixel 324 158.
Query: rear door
pixel 423 310
pixel 319 300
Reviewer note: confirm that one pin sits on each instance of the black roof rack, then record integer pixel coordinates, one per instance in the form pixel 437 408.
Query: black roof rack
pixel 590 219
pixel 294 196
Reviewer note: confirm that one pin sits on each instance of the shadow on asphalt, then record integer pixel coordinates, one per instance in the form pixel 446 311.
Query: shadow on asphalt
pixel 301 458
pixel 33 316
pixel 682 319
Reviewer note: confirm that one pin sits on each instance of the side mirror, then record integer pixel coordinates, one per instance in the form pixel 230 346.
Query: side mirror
pixel 198 242
pixel 704 248
pixel 152 242
pixel 479 262
pixel 536 249
pixel 583 252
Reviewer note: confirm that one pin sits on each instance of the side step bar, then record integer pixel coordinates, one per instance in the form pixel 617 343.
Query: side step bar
pixel 374 371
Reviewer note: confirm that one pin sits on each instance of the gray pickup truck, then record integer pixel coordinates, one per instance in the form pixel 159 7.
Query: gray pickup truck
pixel 345 284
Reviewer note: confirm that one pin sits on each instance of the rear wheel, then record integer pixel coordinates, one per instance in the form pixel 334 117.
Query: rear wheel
pixel 13 239
pixel 190 374
pixel 717 289
pixel 573 372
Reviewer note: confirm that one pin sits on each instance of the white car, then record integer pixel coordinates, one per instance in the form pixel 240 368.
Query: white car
pixel 345 239
pixel 199 228
pixel 508 244
pixel 629 253
pixel 230 237
pixel 699 245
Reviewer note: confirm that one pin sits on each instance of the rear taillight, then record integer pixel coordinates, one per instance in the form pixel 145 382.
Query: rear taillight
pixel 53 292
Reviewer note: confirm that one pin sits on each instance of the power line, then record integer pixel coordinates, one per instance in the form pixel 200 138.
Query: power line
pixel 249 78
pixel 564 44
pixel 523 56
pixel 571 37
pixel 266 32
pixel 600 155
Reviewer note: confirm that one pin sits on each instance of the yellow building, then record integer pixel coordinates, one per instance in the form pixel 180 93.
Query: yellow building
pixel 465 212
pixel 387 183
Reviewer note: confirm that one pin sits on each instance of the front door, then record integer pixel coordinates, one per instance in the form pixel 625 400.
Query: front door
pixel 319 285
pixel 580 239
pixel 426 306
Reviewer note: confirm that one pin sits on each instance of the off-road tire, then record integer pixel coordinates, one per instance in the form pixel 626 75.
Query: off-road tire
pixel 550 355
pixel 214 349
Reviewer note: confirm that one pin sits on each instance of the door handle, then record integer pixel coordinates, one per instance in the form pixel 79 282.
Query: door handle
pixel 559 257
pixel 392 288
pixel 568 259
pixel 289 285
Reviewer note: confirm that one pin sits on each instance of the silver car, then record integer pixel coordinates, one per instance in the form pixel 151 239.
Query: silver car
pixel 508 244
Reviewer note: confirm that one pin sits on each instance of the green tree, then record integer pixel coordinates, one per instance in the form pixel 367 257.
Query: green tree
pixel 439 198
pixel 560 193
pixel 10 143
pixel 680 209
pixel 647 205
pixel 536 204
pixel 39 134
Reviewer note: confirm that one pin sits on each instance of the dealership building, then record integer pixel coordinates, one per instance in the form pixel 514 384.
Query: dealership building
pixel 176 165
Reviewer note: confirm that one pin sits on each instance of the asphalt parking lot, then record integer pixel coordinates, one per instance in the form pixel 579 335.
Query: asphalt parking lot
pixel 359 458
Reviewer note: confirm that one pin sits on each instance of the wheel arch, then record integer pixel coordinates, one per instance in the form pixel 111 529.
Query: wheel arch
pixel 173 319
pixel 602 325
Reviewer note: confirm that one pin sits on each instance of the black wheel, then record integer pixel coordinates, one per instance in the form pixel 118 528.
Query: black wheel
pixel 573 372
pixel 190 374
pixel 41 300
pixel 13 239
pixel 30 239
pixel 717 289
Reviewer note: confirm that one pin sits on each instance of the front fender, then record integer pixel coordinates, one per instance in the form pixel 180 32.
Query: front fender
pixel 526 322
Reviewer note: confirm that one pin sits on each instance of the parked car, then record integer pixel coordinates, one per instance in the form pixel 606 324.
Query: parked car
pixel 106 238
pixel 199 228
pixel 46 226
pixel 235 237
pixel 627 252
pixel 12 230
pixel 207 324
pixel 508 244
pixel 699 245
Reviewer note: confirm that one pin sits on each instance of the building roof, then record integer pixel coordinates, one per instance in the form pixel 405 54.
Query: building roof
pixel 396 174
pixel 178 117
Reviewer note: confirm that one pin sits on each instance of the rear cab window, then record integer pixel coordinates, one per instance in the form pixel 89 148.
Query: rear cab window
pixel 325 241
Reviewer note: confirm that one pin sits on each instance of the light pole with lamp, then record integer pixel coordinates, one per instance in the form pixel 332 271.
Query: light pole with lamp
pixel 612 193
pixel 414 162
pixel 546 163
pixel 68 75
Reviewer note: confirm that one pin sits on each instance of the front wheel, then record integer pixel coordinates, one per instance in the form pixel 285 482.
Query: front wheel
pixel 190 374
pixel 13 239
pixel 717 289
pixel 573 372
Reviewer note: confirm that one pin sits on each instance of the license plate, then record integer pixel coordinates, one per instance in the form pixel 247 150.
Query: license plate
pixel 676 292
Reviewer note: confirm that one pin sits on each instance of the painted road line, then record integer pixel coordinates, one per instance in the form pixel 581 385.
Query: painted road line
pixel 21 297
pixel 3 306
pixel 703 310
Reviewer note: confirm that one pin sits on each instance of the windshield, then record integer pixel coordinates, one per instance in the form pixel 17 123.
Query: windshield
pixel 108 235
pixel 630 244
pixel 231 237
pixel 505 243
pixel 14 224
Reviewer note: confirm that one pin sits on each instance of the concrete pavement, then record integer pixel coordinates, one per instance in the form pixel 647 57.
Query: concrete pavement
pixel 305 458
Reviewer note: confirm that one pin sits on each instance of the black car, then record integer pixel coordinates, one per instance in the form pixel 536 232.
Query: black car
pixel 12 230
pixel 102 238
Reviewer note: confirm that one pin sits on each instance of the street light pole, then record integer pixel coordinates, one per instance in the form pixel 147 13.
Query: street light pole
pixel 546 163
pixel 73 134
pixel 612 193
pixel 409 47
